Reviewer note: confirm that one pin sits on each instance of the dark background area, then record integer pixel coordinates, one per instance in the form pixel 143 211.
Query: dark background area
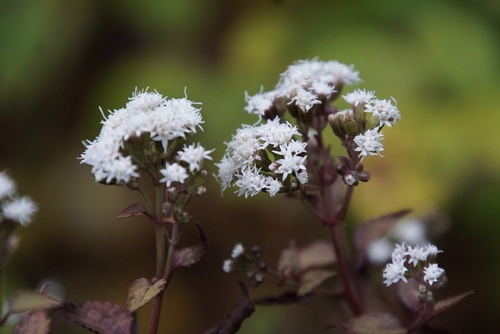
pixel 61 60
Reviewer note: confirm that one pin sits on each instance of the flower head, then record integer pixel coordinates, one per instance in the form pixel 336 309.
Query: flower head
pixel 20 210
pixel 359 96
pixel 432 273
pixel 194 155
pixel 263 157
pixel 369 143
pixel 147 115
pixel 173 173
pixel 395 271
pixel 385 110
pixel 7 185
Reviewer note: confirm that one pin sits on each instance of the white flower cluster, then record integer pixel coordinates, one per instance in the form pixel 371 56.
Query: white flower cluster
pixel 304 84
pixel 397 269
pixel 148 113
pixel 13 207
pixel 383 111
pixel 263 157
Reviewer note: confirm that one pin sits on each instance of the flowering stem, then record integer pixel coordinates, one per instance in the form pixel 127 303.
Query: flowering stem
pixel 350 290
pixel 160 261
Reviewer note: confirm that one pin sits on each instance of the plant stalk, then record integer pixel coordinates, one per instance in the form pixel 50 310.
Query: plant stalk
pixel 160 260
pixel 351 292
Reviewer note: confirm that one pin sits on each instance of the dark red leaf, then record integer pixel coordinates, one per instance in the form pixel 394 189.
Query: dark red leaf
pixel 131 211
pixel 37 322
pixel 188 256
pixel 443 305
pixel 99 317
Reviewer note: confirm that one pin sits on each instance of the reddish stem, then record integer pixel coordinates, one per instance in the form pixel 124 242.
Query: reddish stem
pixel 350 289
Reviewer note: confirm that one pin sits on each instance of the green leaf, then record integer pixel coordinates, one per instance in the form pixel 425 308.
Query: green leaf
pixel 99 317
pixel 37 322
pixel 25 301
pixel 312 279
pixel 143 291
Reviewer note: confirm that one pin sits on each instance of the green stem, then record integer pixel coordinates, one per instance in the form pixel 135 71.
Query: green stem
pixel 171 249
pixel 145 198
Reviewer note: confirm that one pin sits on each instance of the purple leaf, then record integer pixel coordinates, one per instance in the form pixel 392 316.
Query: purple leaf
pixel 131 211
pixel 99 317
pixel 37 322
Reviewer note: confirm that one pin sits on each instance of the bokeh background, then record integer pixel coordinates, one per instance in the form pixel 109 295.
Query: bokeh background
pixel 61 60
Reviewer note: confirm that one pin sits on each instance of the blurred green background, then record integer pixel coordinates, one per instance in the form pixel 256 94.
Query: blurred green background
pixel 61 60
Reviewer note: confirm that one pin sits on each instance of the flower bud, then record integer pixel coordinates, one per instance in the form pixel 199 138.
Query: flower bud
pixel 373 122
pixel 343 123
pixel 350 179
pixel 364 176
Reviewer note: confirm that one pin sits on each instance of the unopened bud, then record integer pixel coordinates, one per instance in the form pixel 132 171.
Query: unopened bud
pixel 350 179
pixel 364 176
pixel 373 122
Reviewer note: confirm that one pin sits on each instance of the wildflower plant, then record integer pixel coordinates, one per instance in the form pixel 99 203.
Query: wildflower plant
pixel 288 151
pixel 145 147
pixel 146 143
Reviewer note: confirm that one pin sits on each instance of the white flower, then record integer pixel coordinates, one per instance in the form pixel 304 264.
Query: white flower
pixel 416 254
pixel 227 168
pixel 174 119
pixel 194 155
pixel 399 252
pixel 369 143
pixel 395 271
pixel 173 173
pixel 290 164
pixel 359 96
pixel 145 101
pixel 250 182
pixel 20 210
pixel 237 251
pixel 430 249
pixel 387 113
pixel 260 103
pixel 273 186
pixel 273 133
pixel 379 250
pixel 7 185
pixel 322 88
pixel 411 231
pixel 307 73
pixel 432 273
pixel 227 266
pixel 305 100
pixel 245 144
